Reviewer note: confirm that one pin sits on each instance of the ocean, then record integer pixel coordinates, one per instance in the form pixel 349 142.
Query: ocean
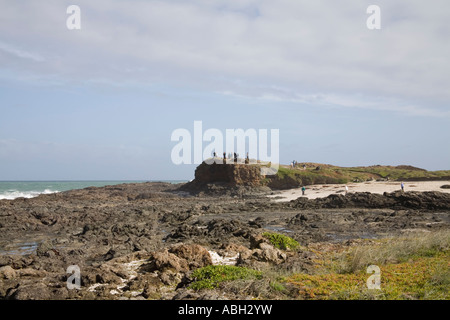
pixel 28 189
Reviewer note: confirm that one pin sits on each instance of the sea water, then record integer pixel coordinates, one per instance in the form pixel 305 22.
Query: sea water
pixel 28 189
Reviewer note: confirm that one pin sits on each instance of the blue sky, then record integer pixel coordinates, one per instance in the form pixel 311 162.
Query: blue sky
pixel 101 102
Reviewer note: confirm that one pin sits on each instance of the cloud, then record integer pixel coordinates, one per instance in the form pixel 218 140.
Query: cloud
pixel 355 101
pixel 20 53
pixel 308 48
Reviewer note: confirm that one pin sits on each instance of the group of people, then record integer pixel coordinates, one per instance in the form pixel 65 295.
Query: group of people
pixel 230 155
pixel 293 163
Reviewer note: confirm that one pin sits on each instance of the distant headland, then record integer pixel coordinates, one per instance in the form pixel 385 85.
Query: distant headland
pixel 298 174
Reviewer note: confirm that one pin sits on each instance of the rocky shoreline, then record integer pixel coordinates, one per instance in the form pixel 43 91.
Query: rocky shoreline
pixel 143 241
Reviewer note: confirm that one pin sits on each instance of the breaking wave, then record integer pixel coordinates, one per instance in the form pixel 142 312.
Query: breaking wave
pixel 14 194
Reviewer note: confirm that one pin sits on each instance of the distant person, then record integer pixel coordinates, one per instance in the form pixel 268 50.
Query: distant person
pixel 214 154
pixel 403 187
pixel 304 167
pixel 303 190
pixel 346 189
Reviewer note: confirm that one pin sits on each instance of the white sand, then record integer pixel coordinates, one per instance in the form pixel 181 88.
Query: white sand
pixel 324 190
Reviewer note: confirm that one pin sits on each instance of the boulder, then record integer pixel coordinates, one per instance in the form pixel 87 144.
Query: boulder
pixel 256 240
pixel 7 272
pixel 195 255
pixel 43 248
pixel 267 253
pixel 164 260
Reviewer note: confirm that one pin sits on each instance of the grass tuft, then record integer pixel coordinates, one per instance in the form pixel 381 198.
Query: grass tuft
pixel 413 267
pixel 394 251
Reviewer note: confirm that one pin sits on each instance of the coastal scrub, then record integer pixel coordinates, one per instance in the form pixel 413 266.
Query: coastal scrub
pixel 210 277
pixel 281 241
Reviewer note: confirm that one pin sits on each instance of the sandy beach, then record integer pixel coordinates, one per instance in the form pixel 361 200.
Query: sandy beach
pixel 324 190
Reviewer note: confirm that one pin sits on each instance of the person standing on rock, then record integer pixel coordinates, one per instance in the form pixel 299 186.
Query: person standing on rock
pixel 403 187
pixel 303 190
pixel 346 189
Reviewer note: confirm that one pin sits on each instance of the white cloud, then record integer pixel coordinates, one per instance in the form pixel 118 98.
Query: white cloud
pixel 17 52
pixel 342 100
pixel 310 48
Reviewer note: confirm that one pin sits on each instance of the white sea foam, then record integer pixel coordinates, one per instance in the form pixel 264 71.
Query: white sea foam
pixel 14 194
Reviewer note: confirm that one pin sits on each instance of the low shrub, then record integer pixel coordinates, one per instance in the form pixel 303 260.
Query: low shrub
pixel 281 241
pixel 210 277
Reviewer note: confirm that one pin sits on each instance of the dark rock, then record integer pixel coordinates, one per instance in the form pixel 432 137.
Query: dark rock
pixel 409 200
pixel 44 248
pixel 32 291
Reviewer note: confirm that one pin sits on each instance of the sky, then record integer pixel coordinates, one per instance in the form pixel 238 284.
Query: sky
pixel 101 102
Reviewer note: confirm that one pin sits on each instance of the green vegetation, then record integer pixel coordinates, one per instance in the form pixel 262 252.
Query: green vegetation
pixel 394 251
pixel 400 172
pixel 411 268
pixel 420 278
pixel 328 174
pixel 277 286
pixel 281 241
pixel 210 277
pixel 308 177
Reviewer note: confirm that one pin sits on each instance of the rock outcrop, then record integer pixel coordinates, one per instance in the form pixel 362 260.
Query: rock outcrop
pixel 431 200
pixel 231 179
pixel 233 174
